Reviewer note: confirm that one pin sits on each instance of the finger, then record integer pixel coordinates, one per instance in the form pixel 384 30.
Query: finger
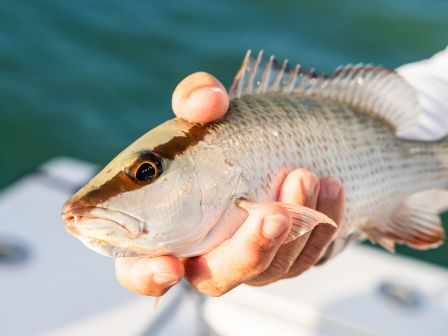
pixel 148 276
pixel 300 187
pixel 200 98
pixel 331 203
pixel 243 256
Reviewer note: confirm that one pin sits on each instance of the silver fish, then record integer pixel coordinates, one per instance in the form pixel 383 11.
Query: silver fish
pixel 181 188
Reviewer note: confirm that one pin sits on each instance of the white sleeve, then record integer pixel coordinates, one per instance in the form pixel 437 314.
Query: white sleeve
pixel 430 80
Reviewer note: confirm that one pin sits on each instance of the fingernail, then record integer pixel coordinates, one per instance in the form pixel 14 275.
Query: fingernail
pixel 309 186
pixel 332 189
pixel 165 279
pixel 198 95
pixel 274 226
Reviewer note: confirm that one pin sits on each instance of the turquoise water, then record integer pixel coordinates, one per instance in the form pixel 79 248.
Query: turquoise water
pixel 85 78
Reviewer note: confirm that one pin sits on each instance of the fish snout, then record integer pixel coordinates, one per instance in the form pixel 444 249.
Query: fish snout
pixel 77 202
pixel 78 217
pixel 72 210
pixel 67 209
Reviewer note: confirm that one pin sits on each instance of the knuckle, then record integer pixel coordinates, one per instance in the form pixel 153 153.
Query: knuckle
pixel 298 268
pixel 283 265
pixel 327 181
pixel 307 258
pixel 295 271
pixel 275 271
pixel 301 173
pixel 257 260
pixel 272 209
pixel 281 211
pixel 260 280
pixel 310 256
pixel 311 176
pixel 254 262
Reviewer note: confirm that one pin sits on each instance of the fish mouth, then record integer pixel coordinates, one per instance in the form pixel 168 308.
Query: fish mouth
pixel 108 232
pixel 84 219
pixel 104 230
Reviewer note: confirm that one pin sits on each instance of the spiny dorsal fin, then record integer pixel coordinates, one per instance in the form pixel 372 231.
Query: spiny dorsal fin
pixel 373 90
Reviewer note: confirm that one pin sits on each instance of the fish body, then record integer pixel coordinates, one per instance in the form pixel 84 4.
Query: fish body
pixel 277 121
pixel 280 133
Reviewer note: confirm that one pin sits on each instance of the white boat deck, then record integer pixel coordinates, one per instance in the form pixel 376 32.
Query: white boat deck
pixel 52 284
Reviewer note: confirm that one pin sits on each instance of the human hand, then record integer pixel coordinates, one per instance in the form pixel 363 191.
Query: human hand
pixel 262 258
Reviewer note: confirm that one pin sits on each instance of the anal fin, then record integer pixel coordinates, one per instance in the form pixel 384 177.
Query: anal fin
pixel 415 223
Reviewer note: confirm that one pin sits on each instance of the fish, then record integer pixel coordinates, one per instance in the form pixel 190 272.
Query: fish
pixel 183 188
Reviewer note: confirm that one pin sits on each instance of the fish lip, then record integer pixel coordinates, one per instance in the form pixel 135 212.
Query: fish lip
pixel 108 249
pixel 71 226
pixel 134 227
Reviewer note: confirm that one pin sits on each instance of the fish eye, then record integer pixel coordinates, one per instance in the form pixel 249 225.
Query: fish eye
pixel 147 171
pixel 145 167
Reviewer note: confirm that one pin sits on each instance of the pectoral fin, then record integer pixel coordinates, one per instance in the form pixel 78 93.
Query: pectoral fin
pixel 416 222
pixel 303 219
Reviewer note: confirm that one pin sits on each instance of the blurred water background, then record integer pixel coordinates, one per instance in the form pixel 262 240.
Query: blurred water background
pixel 85 78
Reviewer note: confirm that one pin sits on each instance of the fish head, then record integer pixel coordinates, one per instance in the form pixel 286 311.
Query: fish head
pixel 161 195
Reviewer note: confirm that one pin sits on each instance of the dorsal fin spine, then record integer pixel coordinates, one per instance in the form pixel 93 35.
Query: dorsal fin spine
pixel 292 79
pixel 369 89
pixel 236 88
pixel 278 80
pixel 251 83
pixel 265 79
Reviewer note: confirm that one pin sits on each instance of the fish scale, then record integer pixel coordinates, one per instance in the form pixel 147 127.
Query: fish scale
pixel 268 134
